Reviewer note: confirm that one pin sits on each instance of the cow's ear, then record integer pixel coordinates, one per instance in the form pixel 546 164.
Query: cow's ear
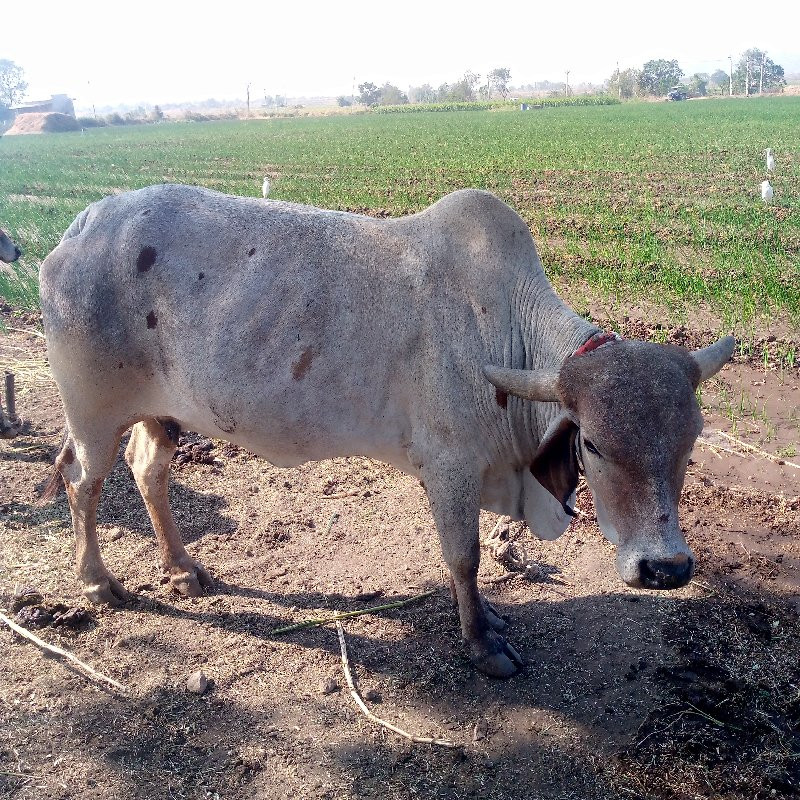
pixel 555 464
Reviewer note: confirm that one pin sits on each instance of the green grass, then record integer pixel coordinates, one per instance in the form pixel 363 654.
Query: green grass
pixel 656 202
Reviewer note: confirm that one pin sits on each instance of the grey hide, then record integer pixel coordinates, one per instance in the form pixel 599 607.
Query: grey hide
pixel 304 334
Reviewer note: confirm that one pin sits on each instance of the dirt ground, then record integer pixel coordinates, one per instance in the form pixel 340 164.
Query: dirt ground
pixel 626 694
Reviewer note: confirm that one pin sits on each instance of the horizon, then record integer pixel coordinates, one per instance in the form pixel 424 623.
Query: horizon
pixel 319 51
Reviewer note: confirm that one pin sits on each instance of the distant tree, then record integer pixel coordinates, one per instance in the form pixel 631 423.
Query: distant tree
pixel 698 84
pixel 280 101
pixel 443 92
pixel 392 96
pixel 718 82
pixel 343 101
pixel 369 94
pixel 422 94
pixel 657 77
pixel 623 83
pixel 463 90
pixel 498 80
pixel 269 101
pixel 12 83
pixel 750 64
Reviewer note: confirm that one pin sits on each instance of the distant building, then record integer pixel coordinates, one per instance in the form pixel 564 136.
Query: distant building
pixel 58 102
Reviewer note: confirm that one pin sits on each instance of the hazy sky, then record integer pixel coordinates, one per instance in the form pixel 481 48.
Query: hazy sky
pixel 158 52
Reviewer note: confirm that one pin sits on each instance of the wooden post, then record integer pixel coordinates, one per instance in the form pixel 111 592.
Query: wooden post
pixel 10 401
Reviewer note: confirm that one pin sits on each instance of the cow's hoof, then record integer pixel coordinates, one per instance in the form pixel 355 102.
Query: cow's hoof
pixel 107 590
pixel 493 616
pixel 503 662
pixel 189 578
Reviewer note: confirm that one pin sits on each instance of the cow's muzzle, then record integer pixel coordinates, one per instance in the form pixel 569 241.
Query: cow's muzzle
pixel 666 573
pixel 17 253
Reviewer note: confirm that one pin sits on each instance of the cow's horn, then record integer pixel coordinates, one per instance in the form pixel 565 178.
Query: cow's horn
pixel 711 359
pixel 537 384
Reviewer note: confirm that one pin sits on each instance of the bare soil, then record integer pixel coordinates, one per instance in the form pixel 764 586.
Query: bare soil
pixel 627 693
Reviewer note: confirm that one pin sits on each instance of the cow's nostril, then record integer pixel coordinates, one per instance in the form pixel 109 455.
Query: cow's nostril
pixel 666 573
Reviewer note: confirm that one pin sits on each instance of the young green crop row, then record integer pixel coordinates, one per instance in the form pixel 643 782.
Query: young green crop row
pixel 626 202
pixel 496 105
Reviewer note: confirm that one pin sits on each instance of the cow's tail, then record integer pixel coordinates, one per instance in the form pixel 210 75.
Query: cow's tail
pixel 55 482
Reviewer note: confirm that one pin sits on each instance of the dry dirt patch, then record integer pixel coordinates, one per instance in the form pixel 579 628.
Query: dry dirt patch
pixel 627 693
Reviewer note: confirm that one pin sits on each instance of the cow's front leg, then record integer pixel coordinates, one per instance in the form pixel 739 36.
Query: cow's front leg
pixel 454 496
pixel 148 454
pixel 492 614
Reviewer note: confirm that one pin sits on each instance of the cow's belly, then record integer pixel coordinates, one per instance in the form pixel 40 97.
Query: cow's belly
pixel 288 426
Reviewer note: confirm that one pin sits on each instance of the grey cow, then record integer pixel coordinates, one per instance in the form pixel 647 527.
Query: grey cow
pixel 9 252
pixel 304 334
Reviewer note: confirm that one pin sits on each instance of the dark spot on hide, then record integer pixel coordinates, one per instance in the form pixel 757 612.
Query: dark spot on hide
pixel 664 518
pixel 483 309
pixel 225 422
pixel 69 456
pixel 120 365
pixel 251 252
pixel 201 276
pixel 303 364
pixel 501 397
pixel 146 259
pixel 171 429
pixel 152 319
pixel 145 212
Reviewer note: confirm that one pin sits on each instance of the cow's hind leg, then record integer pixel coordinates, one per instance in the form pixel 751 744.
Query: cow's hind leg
pixel 148 454
pixel 86 458
pixel 455 501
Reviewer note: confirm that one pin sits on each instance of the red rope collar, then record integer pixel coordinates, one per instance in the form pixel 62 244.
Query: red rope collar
pixel 597 341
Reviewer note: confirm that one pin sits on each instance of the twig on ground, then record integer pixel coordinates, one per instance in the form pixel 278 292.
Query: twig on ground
pixel 377 720
pixel 51 648
pixel 331 522
pixel 501 578
pixel 340 495
pixel 26 330
pixel 749 447
pixel 312 623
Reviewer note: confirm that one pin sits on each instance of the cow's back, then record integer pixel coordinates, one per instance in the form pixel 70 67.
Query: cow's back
pixel 299 332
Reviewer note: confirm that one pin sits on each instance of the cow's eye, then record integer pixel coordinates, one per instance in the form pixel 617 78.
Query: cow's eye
pixel 590 447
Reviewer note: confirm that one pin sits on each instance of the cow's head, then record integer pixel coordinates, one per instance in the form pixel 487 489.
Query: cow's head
pixel 8 250
pixel 629 419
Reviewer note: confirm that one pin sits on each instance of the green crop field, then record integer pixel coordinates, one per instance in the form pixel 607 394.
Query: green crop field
pixel 655 202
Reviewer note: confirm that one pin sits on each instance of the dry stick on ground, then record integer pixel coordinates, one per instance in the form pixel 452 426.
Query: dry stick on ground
pixel 340 495
pixel 312 623
pixel 51 648
pixel 749 447
pixel 362 705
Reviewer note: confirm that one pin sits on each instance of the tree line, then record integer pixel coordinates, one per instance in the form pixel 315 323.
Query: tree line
pixel 754 73
pixel 466 89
